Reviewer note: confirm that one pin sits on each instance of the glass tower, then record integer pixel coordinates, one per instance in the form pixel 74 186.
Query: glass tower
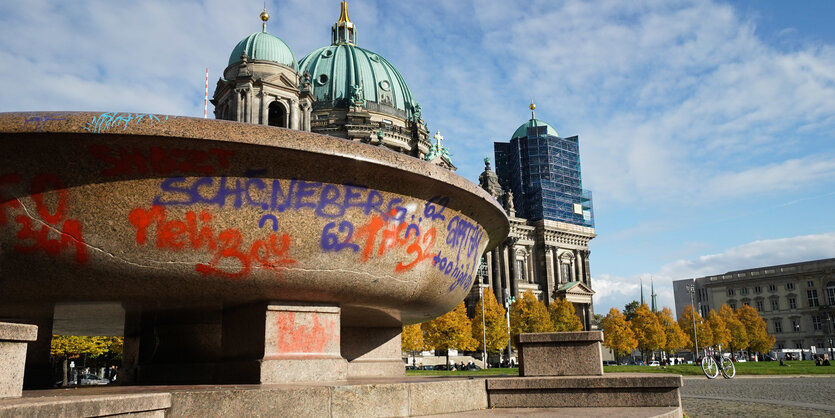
pixel 542 170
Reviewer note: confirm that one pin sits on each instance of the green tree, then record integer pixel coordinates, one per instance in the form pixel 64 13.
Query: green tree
pixel 453 330
pixel 528 314
pixel 703 333
pixel 674 336
pixel 617 334
pixel 564 317
pixel 758 338
pixel 495 326
pixel 629 310
pixel 737 335
pixel 648 330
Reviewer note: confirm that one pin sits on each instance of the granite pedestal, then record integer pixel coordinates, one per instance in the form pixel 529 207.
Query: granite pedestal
pixel 560 354
pixel 13 341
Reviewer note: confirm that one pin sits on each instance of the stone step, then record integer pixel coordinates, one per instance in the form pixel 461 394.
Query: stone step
pixel 621 412
pixel 612 390
pixel 385 397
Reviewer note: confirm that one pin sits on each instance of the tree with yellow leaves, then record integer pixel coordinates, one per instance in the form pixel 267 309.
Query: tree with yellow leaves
pixel 703 333
pixel 453 330
pixel 737 335
pixel 617 334
pixel 674 336
pixel 719 329
pixel 528 314
pixel 564 317
pixel 758 338
pixel 68 347
pixel 495 326
pixel 411 340
pixel 648 330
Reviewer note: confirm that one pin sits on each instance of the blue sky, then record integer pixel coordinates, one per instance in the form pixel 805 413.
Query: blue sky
pixel 706 127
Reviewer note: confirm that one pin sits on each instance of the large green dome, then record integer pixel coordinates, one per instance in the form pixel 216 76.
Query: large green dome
pixel 263 47
pixel 522 131
pixel 337 68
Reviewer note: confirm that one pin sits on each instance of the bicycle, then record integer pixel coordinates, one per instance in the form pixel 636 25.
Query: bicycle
pixel 714 362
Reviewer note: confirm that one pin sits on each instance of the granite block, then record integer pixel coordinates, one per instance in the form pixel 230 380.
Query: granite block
pixel 375 400
pixel 264 401
pixel 13 344
pixel 447 396
pixel 125 404
pixel 560 354
pixel 591 391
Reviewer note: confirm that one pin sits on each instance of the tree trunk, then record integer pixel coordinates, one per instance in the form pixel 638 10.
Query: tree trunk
pixel 64 368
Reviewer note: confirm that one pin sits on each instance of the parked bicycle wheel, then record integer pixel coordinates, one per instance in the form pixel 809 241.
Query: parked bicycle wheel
pixel 728 368
pixel 710 367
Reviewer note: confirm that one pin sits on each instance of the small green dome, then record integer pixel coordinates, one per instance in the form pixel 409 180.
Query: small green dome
pixel 522 131
pixel 337 68
pixel 262 46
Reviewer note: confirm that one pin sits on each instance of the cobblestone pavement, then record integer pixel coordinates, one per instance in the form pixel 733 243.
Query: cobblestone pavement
pixel 759 396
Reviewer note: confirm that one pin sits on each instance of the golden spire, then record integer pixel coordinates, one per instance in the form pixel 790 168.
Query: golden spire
pixel 343 14
pixel 343 30
pixel 532 107
pixel 264 18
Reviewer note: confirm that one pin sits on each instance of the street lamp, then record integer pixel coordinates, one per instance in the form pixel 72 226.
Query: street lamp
pixel 797 329
pixel 507 301
pixel 483 330
pixel 829 327
pixel 691 289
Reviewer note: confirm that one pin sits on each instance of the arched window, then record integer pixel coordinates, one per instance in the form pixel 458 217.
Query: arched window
pixel 276 116
pixel 830 293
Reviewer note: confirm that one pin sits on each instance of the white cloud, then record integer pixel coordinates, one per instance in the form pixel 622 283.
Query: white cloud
pixel 613 291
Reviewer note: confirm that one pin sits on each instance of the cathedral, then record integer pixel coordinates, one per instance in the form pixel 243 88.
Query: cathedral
pixel 340 90
pixel 346 91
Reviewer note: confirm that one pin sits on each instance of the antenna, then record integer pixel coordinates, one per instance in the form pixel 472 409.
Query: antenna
pixel 206 97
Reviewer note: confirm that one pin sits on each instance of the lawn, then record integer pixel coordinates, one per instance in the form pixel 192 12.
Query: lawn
pixel 746 368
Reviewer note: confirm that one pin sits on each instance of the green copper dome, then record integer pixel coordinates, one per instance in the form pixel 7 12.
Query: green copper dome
pixel 262 46
pixel 522 131
pixel 343 70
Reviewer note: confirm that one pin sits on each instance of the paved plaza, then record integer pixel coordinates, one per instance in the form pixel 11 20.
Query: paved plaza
pixel 759 396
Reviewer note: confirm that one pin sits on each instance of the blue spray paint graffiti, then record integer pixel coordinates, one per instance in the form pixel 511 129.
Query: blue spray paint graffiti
pixel 109 120
pixel 386 229
pixel 325 200
pixel 268 217
pixel 41 120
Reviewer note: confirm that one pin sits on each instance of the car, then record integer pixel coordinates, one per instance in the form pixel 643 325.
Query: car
pixel 87 379
pixel 654 363
pixel 610 363
pixel 91 379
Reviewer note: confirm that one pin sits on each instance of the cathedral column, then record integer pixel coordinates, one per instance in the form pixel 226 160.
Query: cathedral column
pixel 488 260
pixel 294 114
pixel 514 284
pixel 549 274
pixel 497 274
pixel 264 117
pixel 587 271
pixel 251 99
pixel 506 270
pixel 577 272
pixel 307 116
pixel 239 105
